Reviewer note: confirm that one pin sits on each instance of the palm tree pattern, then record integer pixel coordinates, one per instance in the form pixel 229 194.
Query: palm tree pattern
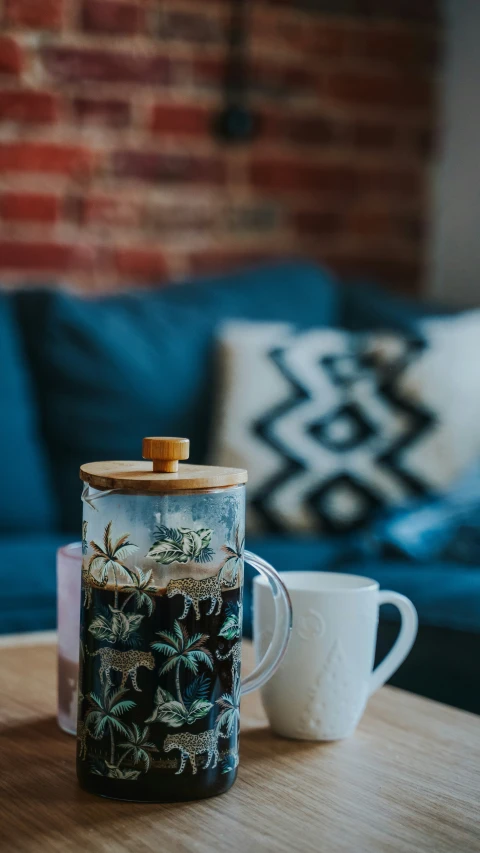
pixel 138 746
pixel 110 556
pixel 104 714
pixel 122 733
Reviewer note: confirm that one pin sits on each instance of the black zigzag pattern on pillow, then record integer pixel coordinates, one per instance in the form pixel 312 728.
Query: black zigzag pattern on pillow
pixel 343 371
pixel 422 420
pixel 264 428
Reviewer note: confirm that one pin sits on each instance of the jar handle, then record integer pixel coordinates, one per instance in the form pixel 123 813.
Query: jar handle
pixel 283 626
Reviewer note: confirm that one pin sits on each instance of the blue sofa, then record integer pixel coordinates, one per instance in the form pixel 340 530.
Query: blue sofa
pixel 86 379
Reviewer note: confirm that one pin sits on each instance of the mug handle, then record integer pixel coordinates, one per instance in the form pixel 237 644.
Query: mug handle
pixel 283 626
pixel 405 639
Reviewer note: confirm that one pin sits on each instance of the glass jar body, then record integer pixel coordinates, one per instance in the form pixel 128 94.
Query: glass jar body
pixel 160 643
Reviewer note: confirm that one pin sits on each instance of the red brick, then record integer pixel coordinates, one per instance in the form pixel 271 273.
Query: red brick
pixel 193 27
pixel 267 26
pixel 183 120
pixel 275 174
pixel 77 65
pixel 404 10
pixel 172 218
pixel 422 141
pixel 46 157
pixel 103 112
pixel 310 131
pixel 271 125
pixel 254 218
pixel 208 71
pixel 29 207
pixel 390 180
pixel 384 90
pixel 108 16
pixel 174 207
pixel 110 210
pixel 401 273
pixel 168 168
pixel 412 227
pixel 321 38
pixel 270 79
pixel 408 10
pixel 308 5
pixel 316 222
pixel 368 135
pixel 369 223
pixel 380 225
pixel 302 128
pixel 45 257
pixel 398 45
pixel 141 263
pixel 328 38
pixel 28 106
pixel 281 80
pixel 11 56
pixel 36 14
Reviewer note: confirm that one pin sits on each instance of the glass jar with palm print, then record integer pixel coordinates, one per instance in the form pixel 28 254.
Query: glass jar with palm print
pixel 160 635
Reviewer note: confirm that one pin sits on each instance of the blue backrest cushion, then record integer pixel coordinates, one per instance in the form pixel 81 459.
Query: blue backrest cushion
pixel 366 307
pixel 26 498
pixel 111 370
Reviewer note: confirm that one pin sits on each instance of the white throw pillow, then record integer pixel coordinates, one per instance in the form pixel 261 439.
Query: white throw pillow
pixel 334 426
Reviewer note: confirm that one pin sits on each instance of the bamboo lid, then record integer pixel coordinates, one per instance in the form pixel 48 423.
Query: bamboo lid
pixel 164 473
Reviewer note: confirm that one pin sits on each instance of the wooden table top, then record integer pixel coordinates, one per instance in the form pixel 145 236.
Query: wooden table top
pixel 407 781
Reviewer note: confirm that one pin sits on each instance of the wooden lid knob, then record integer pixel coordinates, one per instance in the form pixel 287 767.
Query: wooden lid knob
pixel 165 453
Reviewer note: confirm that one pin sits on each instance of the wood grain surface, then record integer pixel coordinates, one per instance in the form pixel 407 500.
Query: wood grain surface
pixel 407 781
pixel 140 476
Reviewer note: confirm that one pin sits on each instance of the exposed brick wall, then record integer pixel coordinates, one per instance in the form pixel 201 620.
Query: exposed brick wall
pixel 109 171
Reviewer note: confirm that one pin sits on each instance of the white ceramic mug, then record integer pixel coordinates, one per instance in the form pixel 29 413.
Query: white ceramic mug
pixel 323 684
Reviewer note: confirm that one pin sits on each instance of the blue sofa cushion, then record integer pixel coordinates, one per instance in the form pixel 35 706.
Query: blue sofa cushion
pixel 441 528
pixel 26 499
pixel 446 595
pixel 112 370
pixel 365 307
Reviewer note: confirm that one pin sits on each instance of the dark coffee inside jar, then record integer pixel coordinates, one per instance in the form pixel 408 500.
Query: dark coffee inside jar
pixel 152 710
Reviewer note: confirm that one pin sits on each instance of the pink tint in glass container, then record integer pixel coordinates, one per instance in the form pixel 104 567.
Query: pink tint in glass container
pixel 69 577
